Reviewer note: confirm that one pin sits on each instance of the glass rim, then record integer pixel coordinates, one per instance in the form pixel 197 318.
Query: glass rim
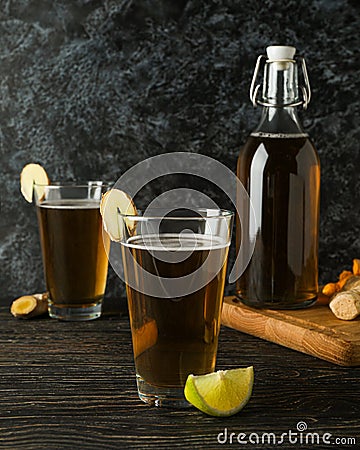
pixel 75 184
pixel 221 213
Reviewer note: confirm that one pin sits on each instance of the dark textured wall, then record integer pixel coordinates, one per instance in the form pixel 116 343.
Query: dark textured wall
pixel 88 88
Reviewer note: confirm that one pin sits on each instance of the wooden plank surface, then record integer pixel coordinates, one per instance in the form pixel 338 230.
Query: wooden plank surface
pixel 72 385
pixel 315 330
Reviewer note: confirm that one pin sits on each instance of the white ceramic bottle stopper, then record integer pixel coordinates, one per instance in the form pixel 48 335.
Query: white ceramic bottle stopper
pixel 276 52
pixel 279 55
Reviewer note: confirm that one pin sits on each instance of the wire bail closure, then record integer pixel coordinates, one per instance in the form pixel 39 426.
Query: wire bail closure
pixel 305 90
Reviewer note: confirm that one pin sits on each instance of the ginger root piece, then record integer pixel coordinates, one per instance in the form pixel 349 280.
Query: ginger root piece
pixel 29 306
pixel 345 274
pixel 352 284
pixel 343 277
pixel 356 267
pixel 346 305
pixel 329 289
pixel 345 293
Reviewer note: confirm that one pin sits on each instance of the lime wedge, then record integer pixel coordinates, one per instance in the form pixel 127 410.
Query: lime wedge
pixel 222 393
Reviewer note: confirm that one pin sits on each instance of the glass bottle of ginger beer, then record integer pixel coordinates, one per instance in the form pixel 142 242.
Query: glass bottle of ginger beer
pixel 280 170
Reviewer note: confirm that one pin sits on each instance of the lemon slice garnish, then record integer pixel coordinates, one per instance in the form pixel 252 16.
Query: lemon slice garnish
pixel 31 174
pixel 112 202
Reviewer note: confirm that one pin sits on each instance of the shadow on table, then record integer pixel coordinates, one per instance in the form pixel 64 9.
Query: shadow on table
pixel 116 307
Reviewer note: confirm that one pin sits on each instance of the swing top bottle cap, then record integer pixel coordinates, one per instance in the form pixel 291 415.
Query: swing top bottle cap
pixel 280 82
pixel 280 52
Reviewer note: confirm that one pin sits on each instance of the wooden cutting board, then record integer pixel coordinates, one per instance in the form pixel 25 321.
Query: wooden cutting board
pixel 315 330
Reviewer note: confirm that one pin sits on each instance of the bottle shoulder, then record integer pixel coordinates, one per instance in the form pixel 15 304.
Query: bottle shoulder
pixel 277 145
pixel 277 152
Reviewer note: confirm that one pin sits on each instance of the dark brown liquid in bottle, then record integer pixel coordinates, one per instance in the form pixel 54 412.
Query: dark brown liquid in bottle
pixel 281 174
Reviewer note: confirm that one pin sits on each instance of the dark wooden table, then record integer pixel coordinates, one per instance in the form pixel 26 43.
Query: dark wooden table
pixel 72 385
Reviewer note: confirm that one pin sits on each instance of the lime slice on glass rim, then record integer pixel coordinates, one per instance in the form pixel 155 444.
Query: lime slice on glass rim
pixel 222 393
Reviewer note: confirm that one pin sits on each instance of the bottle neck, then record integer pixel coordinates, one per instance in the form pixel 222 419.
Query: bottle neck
pixel 280 84
pixel 277 120
pixel 280 96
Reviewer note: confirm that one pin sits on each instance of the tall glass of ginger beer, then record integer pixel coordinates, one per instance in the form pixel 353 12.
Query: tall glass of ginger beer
pixel 174 268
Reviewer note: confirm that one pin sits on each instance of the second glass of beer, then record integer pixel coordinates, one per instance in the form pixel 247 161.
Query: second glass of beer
pixel 73 248
pixel 174 267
